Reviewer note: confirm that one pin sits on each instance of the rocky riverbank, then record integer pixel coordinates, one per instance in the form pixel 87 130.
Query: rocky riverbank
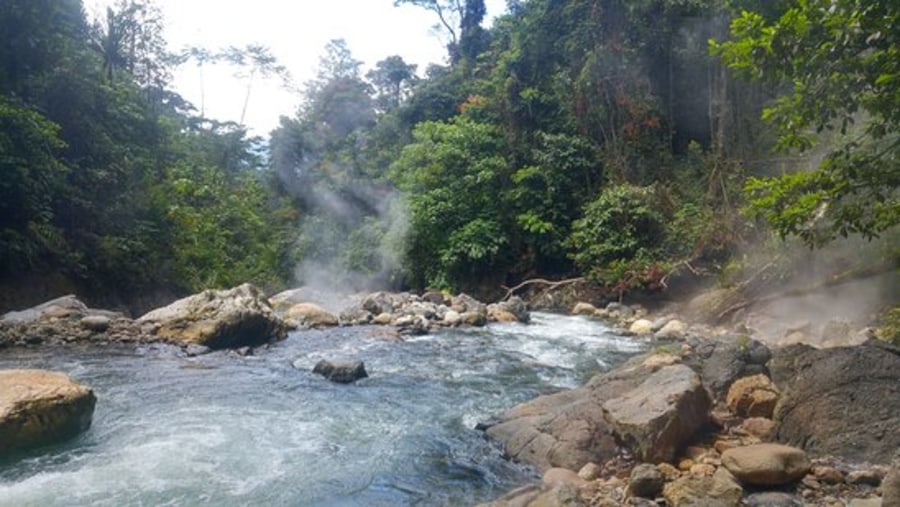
pixel 714 417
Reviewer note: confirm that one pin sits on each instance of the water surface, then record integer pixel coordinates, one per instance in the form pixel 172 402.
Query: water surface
pixel 222 429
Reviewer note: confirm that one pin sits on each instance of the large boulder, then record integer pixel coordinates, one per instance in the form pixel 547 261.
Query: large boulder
pixel 659 416
pixel 310 315
pixel 61 307
pixel 766 464
pixel 843 401
pixel 39 407
pixel 218 319
pixel 566 429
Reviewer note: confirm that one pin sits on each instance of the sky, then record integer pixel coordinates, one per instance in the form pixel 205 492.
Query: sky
pixel 296 32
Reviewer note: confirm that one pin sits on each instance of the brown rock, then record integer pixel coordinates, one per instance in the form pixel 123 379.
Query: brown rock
pixel 311 315
pixel 719 490
pixel 562 477
pixel 759 427
pixel 766 464
pixel 39 407
pixel 753 396
pixel 827 475
pixel 590 471
pixel 702 470
pixel 583 308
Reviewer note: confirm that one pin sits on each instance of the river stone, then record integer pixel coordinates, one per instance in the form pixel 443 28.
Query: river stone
pixel 766 464
pixel 534 495
pixel 646 481
pixel 641 327
pixel 753 396
pixel 672 330
pixel 566 429
pixel 516 306
pixel 842 401
pixel 772 499
pixel 40 407
pixel 96 323
pixel 218 319
pixel 719 490
pixel 660 415
pixel 311 315
pixel 343 372
pixel 582 308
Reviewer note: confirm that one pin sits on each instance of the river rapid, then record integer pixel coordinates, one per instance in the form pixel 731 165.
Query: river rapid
pixel 222 429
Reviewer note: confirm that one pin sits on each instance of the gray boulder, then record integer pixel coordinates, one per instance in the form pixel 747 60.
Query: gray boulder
pixel 218 319
pixel 659 416
pixel 722 360
pixel 566 429
pixel 342 372
pixel 514 306
pixel 843 401
pixel 646 481
pixel 62 307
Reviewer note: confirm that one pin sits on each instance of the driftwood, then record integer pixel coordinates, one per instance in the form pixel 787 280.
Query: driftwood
pixel 551 284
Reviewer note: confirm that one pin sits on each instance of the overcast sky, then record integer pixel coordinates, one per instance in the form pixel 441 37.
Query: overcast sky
pixel 296 32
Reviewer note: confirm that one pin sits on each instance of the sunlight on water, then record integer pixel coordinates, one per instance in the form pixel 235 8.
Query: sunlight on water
pixel 222 429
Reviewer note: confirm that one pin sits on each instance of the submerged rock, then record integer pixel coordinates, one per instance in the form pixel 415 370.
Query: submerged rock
pixel 218 319
pixel 40 407
pixel 343 372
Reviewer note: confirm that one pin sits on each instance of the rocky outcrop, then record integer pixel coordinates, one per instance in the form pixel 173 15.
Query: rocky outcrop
pixel 40 407
pixel 66 320
pixel 659 416
pixel 766 464
pixel 843 401
pixel 310 315
pixel 217 319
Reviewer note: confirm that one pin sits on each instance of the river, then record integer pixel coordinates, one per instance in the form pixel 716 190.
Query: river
pixel 222 429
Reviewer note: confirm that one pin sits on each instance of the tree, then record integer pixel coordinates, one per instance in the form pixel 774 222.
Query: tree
pixel 460 20
pixel 130 40
pixel 393 79
pixel 839 61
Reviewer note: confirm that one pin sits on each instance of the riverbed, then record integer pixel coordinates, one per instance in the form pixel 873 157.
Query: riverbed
pixel 225 429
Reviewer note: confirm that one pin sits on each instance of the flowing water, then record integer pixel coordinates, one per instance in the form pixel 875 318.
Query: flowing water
pixel 222 429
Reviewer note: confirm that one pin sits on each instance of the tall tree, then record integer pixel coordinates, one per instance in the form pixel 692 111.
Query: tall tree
pixel 393 79
pixel 840 63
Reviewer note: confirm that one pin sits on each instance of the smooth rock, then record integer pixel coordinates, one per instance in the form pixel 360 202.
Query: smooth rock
pixel 311 315
pixel 641 327
pixel 867 502
pixel 673 330
pixel 341 372
pixel 452 318
pixel 766 464
pixel 590 471
pixel 562 477
pixel 842 401
pixel 218 319
pixel 719 490
pixel 383 319
pixel 661 415
pixel 582 308
pixel 759 427
pixel 61 307
pixel 646 481
pixel 39 407
pixel 753 396
pixel 514 306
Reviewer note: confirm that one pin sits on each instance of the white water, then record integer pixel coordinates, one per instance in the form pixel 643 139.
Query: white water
pixel 228 430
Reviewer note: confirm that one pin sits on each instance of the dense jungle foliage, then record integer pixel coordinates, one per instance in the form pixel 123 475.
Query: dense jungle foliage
pixel 619 140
